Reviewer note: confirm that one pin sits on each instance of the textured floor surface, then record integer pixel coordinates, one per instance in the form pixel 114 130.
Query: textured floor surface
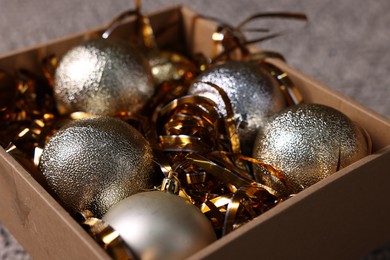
pixel 345 45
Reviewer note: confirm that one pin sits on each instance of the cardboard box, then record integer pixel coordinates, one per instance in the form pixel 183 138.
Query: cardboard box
pixel 344 216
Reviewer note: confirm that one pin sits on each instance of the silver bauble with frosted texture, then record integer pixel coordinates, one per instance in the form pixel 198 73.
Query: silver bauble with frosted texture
pixel 159 225
pixel 308 143
pixel 254 95
pixel 95 162
pixel 102 77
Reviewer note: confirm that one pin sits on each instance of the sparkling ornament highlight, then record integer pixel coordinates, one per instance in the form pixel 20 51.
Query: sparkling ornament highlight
pixel 95 162
pixel 167 66
pixel 254 95
pixel 160 225
pixel 308 143
pixel 102 77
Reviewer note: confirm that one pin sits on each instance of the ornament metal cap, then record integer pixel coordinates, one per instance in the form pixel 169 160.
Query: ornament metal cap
pixel 171 184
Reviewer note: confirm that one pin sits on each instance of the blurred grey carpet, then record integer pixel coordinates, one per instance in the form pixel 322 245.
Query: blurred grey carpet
pixel 346 45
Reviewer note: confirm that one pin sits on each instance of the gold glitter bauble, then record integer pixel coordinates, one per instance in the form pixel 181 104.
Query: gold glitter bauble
pixel 167 66
pixel 103 77
pixel 254 95
pixel 95 162
pixel 308 143
pixel 159 225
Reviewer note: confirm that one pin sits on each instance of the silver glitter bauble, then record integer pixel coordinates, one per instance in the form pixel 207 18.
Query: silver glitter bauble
pixel 308 143
pixel 159 225
pixel 95 162
pixel 254 95
pixel 102 77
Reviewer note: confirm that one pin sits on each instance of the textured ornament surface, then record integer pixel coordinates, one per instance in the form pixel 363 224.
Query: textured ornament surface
pixel 253 93
pixel 308 143
pixel 102 77
pixel 95 162
pixel 159 225
pixel 167 66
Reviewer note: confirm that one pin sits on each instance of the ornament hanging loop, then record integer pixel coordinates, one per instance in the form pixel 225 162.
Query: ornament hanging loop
pixel 147 34
pixel 171 183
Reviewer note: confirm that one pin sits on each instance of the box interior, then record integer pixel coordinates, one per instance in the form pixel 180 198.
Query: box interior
pixel 341 216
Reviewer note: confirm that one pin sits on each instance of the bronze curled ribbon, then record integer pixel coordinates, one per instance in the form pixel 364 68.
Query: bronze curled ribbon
pixel 233 37
pixel 203 148
pixel 108 238
pixel 273 15
pixel 246 194
pixel 228 39
pixel 229 120
pixel 291 93
pixel 31 119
